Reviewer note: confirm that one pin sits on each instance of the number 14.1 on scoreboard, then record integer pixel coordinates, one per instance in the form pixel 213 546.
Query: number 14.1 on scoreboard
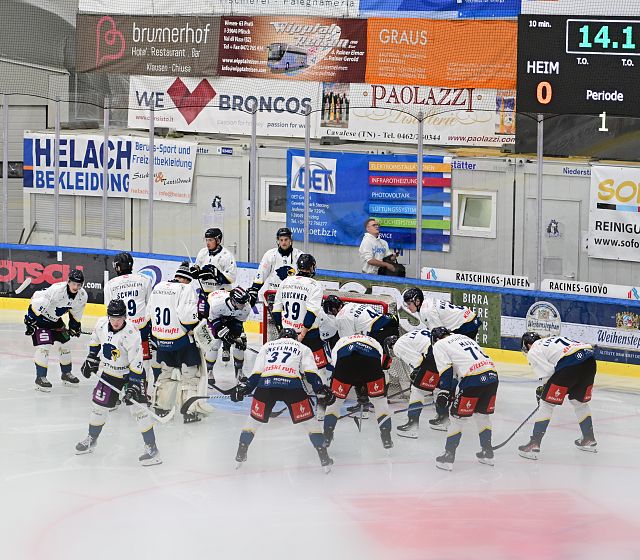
pixel 609 37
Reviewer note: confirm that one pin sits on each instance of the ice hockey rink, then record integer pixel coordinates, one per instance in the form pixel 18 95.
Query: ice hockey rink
pixel 395 505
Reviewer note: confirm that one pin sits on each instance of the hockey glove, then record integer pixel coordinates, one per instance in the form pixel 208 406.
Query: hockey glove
pixel 241 342
pixel 75 328
pixel 253 295
pixel 325 396
pixel 90 366
pixel 135 393
pixel 239 392
pixel 414 375
pixel 194 269
pixel 539 392
pixel 203 306
pixel 30 324
pixel 443 400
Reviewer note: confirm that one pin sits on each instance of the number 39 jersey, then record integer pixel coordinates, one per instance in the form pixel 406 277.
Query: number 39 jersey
pixel 299 299
pixel 281 363
pixel 467 359
pixel 135 290
pixel 355 318
pixel 173 312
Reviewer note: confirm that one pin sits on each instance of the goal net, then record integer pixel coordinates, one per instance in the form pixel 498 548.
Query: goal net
pixel 398 373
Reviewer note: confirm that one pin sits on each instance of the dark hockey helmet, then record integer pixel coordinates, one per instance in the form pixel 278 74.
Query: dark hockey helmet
pixel 283 232
pixel 306 264
pixel 213 233
pixel 438 333
pixel 413 295
pixel 76 276
pixel 385 326
pixel 528 338
pixel 184 271
pixel 123 263
pixel 116 308
pixel 288 333
pixel 332 305
pixel 239 297
pixel 388 344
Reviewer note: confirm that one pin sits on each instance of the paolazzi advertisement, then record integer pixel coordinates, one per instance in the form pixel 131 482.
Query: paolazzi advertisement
pixel 614 213
pixel 583 7
pixel 445 9
pixel 293 48
pixel 81 166
pixel 388 113
pixel 150 45
pixel 221 105
pixel 478 54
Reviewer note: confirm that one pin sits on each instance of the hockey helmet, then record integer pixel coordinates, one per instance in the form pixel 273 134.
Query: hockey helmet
pixel 332 305
pixel 116 308
pixel 288 333
pixel 439 332
pixel 413 295
pixel 283 232
pixel 213 233
pixel 76 275
pixel 527 339
pixel 388 344
pixel 385 326
pixel 183 271
pixel 306 265
pixel 239 297
pixel 123 263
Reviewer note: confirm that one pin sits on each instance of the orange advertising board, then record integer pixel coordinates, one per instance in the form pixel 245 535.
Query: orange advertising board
pixel 444 53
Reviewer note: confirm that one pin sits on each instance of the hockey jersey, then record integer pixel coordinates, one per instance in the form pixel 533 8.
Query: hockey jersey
pixel 440 313
pixel 298 300
pixel 135 290
pixel 548 355
pixel 460 358
pixel 173 312
pixel 225 264
pixel 275 267
pixel 356 344
pixel 356 318
pixel 220 306
pixel 120 352
pixel 412 347
pixel 50 304
pixel 281 363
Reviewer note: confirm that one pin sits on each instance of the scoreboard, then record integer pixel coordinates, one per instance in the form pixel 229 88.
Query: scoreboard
pixel 578 65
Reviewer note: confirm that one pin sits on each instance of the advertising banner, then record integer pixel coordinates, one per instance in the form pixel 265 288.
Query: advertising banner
pixel 591 289
pixel 341 8
pixel 584 7
pixel 387 113
pixel 221 105
pixel 346 189
pixel 614 213
pixel 440 9
pixel 480 278
pixel 293 48
pixel 477 54
pixel 81 166
pixel 150 45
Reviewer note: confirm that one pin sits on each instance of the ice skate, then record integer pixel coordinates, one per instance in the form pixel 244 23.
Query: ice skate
pixel 410 429
pixel 160 411
pixel 191 417
pixel 530 450
pixel 445 462
pixel 328 437
pixel 366 408
pixel 211 380
pixel 385 436
pixel 87 445
pixel 440 423
pixel 42 384
pixel 69 379
pixel 325 460
pixel 151 456
pixel 588 444
pixel 485 456
pixel 241 455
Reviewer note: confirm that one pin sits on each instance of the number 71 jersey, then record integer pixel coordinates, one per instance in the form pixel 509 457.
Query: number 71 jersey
pixel 462 354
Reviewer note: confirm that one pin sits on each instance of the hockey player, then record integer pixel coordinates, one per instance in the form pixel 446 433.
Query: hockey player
pixel 357 360
pixel 440 313
pixel 460 358
pixel 567 368
pixel 276 265
pixel 277 376
pixel 47 330
pixel 227 313
pixel 134 289
pixel 414 349
pixel 115 353
pixel 173 312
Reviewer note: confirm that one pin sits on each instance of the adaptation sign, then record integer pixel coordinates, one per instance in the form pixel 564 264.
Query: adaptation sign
pixel 614 213
pixel 436 9
pixel 150 45
pixel 221 105
pixel 387 113
pixel 81 166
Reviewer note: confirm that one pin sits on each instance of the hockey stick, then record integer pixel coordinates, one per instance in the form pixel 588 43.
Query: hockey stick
pixel 159 419
pixel 414 408
pixel 21 288
pixel 516 430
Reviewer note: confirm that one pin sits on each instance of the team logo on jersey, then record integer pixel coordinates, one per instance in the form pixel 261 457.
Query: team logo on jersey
pixel 110 352
pixel 152 272
pixel 543 318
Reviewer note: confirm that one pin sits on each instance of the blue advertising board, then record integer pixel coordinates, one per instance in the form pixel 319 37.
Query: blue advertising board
pixel 441 9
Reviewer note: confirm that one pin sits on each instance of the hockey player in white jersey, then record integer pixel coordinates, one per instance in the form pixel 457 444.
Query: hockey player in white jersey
pixel 440 313
pixel 566 367
pixel 414 349
pixel 115 354
pixel 227 313
pixel 278 376
pixel 357 360
pixel 173 312
pixel 460 359
pixel 47 330
pixel 276 265
pixel 135 290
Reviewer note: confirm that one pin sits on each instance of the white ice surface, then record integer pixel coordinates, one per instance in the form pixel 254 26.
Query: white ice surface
pixel 395 505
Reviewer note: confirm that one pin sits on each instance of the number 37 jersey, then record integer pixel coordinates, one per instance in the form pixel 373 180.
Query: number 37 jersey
pixel 467 359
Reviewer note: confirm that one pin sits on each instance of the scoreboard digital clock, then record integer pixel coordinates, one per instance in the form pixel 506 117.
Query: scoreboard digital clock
pixel 578 65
